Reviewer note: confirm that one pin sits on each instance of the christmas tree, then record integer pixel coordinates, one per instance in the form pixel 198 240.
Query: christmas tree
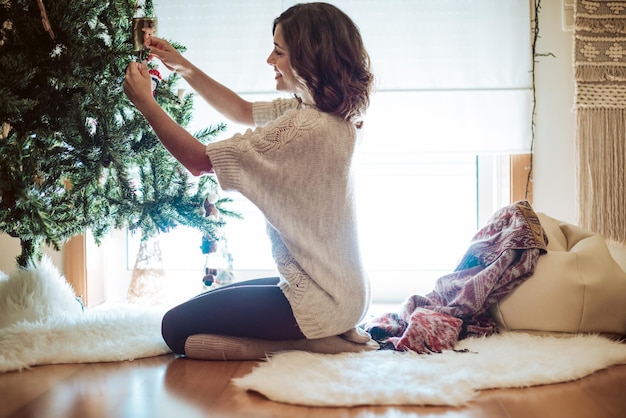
pixel 76 154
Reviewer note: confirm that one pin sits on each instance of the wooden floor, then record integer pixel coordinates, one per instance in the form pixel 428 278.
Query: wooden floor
pixel 167 386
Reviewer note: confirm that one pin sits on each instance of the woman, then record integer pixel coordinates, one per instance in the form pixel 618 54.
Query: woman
pixel 296 167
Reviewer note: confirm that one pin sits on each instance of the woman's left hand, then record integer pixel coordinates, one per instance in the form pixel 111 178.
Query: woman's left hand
pixel 138 84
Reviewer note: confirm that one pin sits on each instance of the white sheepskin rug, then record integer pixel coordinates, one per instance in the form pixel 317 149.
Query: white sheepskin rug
pixel 452 378
pixel 42 322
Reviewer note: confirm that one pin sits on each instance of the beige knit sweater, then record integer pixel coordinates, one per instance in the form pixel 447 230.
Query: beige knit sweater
pixel 296 167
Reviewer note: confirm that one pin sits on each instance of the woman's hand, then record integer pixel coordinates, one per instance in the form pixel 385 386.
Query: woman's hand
pixel 166 53
pixel 180 143
pixel 138 85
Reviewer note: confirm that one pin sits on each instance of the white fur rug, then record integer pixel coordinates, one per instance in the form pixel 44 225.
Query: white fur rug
pixel 451 378
pixel 41 322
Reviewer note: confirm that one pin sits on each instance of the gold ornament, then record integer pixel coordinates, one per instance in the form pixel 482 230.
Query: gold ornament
pixel 6 128
pixel 143 27
pixel 67 184
pixel 6 27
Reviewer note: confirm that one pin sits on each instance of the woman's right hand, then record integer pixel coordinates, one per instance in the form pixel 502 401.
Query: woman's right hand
pixel 138 85
pixel 166 53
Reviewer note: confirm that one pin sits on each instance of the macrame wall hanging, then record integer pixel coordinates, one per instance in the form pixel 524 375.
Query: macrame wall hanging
pixel 600 75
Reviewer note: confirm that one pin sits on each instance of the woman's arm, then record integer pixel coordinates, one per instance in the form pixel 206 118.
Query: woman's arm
pixel 188 150
pixel 221 98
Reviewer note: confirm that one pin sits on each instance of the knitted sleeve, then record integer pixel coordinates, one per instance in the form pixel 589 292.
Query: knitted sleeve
pixel 263 112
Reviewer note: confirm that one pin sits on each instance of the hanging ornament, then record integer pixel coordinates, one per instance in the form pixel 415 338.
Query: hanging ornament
pixel 208 245
pixel 209 275
pixel 143 28
pixel 67 184
pixel 210 209
pixel 6 128
pixel 38 179
pixel 155 75
pixel 5 28
pixel 218 267
pixel 212 198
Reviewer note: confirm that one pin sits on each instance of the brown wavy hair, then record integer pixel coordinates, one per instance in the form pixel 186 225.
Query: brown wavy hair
pixel 327 54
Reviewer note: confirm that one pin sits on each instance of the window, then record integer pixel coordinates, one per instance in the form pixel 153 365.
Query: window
pixel 453 100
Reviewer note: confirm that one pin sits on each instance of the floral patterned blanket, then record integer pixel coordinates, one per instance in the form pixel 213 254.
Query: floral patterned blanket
pixel 500 257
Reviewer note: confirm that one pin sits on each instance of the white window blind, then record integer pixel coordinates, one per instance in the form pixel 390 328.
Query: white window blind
pixel 463 66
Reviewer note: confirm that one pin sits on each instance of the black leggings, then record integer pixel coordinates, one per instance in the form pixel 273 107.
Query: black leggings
pixel 253 308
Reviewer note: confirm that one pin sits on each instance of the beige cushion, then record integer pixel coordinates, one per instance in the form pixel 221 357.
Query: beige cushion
pixel 577 287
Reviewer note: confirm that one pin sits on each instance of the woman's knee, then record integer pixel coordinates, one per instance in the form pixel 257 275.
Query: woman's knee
pixel 169 327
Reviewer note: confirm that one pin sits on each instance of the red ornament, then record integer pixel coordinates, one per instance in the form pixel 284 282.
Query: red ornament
pixel 155 75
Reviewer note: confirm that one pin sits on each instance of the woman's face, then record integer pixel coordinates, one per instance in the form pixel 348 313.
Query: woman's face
pixel 279 60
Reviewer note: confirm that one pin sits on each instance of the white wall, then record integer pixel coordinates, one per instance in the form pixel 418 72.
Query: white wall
pixel 554 167
pixel 554 161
